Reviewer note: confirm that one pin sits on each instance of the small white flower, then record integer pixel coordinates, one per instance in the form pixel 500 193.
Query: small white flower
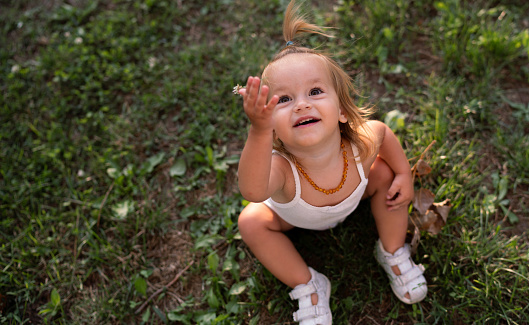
pixel 78 40
pixel 152 62
pixel 15 68
pixel 236 89
pixel 20 24
pixel 67 34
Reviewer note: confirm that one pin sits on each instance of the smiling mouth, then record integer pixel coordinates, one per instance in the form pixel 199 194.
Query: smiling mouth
pixel 307 122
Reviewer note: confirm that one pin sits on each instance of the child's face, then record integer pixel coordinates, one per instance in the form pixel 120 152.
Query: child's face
pixel 308 112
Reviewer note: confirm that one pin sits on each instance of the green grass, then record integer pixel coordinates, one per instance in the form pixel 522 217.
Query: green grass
pixel 120 139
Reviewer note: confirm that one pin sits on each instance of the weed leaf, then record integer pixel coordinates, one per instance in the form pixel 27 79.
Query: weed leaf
pixel 153 161
pixel 141 286
pixel 55 298
pixel 395 120
pixel 513 218
pixel 213 261
pixel 121 210
pixel 179 168
pixel 146 315
pixel 237 289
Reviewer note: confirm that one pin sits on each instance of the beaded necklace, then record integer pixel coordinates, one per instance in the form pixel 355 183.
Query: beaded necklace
pixel 344 174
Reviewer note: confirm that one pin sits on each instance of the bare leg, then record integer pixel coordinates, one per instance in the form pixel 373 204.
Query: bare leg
pixel 262 230
pixel 391 225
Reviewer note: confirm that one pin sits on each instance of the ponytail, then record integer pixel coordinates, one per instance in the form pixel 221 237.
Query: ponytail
pixel 296 23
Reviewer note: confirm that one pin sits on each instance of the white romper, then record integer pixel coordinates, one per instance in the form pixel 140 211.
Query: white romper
pixel 303 215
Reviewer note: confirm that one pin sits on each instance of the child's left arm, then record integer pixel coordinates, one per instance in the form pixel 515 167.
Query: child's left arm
pixel 390 150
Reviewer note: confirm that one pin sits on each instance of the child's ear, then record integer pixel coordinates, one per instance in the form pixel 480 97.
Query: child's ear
pixel 343 117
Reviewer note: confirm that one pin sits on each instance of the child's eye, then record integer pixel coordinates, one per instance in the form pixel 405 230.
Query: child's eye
pixel 315 91
pixel 283 99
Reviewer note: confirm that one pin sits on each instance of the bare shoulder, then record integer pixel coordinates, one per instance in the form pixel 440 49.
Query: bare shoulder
pixel 282 179
pixel 377 132
pixel 378 128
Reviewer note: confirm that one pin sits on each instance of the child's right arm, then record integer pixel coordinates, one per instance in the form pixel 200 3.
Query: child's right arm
pixel 257 179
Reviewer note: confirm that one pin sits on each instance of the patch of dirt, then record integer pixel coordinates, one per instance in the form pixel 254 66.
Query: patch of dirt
pixel 171 253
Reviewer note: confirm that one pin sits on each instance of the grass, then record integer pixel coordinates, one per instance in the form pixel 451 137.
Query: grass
pixel 120 140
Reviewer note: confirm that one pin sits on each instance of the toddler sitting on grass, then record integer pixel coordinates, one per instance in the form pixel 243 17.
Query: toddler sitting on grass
pixel 310 157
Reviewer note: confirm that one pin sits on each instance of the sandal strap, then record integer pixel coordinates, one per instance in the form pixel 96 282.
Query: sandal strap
pixel 305 290
pixel 396 260
pixel 403 279
pixel 309 312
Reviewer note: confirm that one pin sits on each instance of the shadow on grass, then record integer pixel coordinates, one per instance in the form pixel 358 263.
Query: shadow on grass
pixel 360 289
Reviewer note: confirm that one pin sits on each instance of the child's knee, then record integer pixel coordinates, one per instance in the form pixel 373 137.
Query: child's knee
pixel 250 222
pixel 381 174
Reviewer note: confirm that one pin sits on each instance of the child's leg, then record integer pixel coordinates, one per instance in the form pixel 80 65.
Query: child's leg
pixel 391 225
pixel 262 230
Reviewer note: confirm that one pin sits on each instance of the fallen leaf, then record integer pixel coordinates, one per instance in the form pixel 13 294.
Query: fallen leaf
pixel 415 241
pixel 422 200
pixel 442 209
pixel 437 225
pixel 423 168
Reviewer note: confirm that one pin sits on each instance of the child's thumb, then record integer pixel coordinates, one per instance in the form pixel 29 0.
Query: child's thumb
pixel 393 192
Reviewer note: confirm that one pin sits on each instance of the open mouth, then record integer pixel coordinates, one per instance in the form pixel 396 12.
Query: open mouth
pixel 307 121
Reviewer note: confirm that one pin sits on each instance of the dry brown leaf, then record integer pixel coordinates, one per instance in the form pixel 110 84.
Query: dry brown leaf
pixel 443 208
pixel 428 215
pixel 415 241
pixel 428 219
pixel 423 200
pixel 437 224
pixel 423 168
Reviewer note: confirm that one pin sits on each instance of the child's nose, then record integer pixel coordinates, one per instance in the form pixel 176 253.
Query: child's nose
pixel 302 104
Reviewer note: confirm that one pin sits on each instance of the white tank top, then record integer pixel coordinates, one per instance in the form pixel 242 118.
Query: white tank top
pixel 300 214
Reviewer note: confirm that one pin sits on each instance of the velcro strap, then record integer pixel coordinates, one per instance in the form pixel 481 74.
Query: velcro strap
pixel 303 290
pixel 309 312
pixel 396 260
pixel 405 278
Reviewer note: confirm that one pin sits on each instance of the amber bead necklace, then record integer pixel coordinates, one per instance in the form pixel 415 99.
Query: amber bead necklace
pixel 344 174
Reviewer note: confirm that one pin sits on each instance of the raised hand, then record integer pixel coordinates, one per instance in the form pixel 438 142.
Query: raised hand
pixel 259 112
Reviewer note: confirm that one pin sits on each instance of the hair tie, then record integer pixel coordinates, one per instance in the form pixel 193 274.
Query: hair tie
pixel 289 43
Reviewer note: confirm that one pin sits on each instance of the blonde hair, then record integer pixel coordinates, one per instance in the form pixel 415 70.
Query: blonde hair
pixel 355 129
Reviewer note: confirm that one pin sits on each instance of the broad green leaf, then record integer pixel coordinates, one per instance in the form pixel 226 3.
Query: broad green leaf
pixel 122 209
pixel 206 241
pixel 233 307
pixel 55 298
pixel 503 187
pixel 206 318
pixel 209 153
pixel 395 120
pixel 141 285
pixel 213 261
pixel 237 288
pixel 513 218
pixel 212 299
pixel 220 318
pixel 112 172
pixel 146 273
pixel 154 161
pixel 255 320
pixel 146 315
pixel 179 168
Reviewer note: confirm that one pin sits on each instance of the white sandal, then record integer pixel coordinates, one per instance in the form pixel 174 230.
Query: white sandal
pixel 410 281
pixel 309 314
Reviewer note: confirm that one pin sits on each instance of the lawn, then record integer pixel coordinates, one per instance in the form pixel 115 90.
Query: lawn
pixel 120 139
